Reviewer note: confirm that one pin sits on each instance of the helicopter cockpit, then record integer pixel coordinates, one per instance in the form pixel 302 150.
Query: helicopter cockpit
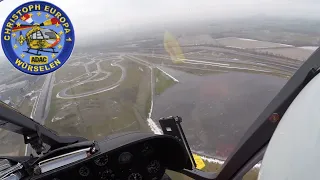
pixel 159 90
pixel 136 155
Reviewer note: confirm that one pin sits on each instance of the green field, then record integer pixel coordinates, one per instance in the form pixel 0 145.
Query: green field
pixel 95 85
pixel 99 76
pixel 25 107
pixel 92 67
pixel 162 81
pixel 120 110
pixel 67 72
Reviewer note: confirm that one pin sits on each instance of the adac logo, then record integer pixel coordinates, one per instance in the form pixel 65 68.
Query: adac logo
pixel 37 37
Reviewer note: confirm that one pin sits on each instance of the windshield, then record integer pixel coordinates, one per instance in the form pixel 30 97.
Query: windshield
pixel 217 64
pixel 300 117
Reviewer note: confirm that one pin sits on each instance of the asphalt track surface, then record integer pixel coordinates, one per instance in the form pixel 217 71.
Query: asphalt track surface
pixel 63 95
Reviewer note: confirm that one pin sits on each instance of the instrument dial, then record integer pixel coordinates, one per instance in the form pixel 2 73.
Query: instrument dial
pixel 106 174
pixel 101 161
pixel 135 176
pixel 147 149
pixel 154 166
pixel 125 158
pixel 84 171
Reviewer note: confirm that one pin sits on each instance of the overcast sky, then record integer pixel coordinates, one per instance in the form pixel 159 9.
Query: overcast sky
pixel 109 16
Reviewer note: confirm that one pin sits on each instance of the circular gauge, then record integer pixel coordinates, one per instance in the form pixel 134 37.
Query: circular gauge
pixel 135 176
pixel 125 157
pixel 147 149
pixel 101 161
pixel 106 174
pixel 154 166
pixel 84 171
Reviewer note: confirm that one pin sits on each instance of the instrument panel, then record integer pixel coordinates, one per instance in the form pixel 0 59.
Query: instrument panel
pixel 137 162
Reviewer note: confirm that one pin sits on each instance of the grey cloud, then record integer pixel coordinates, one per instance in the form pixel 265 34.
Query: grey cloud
pixel 107 16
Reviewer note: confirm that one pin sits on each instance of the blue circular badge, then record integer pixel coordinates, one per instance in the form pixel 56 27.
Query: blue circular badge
pixel 37 37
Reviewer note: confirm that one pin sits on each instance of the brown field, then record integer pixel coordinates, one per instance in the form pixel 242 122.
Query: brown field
pixel 294 53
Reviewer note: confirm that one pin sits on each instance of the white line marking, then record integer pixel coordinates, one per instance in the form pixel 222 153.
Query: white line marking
pixel 176 80
pixel 206 62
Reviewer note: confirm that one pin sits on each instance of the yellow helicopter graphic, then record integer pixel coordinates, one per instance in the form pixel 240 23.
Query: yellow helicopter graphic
pixel 38 38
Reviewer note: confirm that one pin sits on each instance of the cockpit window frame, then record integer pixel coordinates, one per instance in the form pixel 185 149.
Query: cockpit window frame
pixel 18 123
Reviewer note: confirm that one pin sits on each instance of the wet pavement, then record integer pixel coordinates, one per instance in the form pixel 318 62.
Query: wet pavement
pixel 216 109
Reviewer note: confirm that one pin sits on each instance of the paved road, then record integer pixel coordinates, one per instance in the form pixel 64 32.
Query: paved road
pixel 38 113
pixel 267 62
pixel 41 107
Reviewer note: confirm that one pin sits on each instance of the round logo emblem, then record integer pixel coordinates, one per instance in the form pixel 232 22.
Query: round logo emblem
pixel 37 37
